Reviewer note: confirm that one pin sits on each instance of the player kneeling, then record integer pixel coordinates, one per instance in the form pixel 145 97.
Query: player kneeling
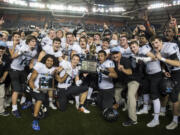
pixel 65 84
pixel 41 81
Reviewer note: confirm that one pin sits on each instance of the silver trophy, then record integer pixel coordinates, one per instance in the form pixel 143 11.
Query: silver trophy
pixel 89 65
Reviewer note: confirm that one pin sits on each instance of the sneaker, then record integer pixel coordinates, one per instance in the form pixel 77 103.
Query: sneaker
pixel 172 126
pixel 125 107
pixel 71 102
pixel 129 123
pixel 142 111
pixel 35 125
pixel 4 113
pixel 26 105
pixel 22 102
pixel 52 106
pixel 16 114
pixel 153 123
pixel 84 110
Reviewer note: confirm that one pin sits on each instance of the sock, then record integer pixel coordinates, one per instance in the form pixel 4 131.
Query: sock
pixel 77 99
pixel 175 118
pixel 90 90
pixel 163 109
pixel 156 105
pixel 50 100
pixel 23 99
pixel 145 107
pixel 146 99
pixel 33 101
pixel 14 107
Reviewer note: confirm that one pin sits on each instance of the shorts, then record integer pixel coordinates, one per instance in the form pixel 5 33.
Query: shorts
pixel 18 79
pixel 175 93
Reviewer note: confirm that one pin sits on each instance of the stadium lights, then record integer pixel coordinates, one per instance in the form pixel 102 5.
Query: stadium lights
pixel 118 9
pixel 17 2
pixel 66 8
pixel 94 9
pixel 176 2
pixel 56 7
pixel 159 5
pixel 107 10
pixel 36 5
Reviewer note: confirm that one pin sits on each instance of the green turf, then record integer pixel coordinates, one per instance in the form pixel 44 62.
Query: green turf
pixel 73 122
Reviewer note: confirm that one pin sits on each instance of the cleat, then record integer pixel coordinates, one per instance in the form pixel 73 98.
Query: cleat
pixel 172 126
pixel 129 123
pixel 153 123
pixel 35 125
pixel 52 106
pixel 84 110
pixel 4 113
pixel 26 105
pixel 16 114
pixel 142 111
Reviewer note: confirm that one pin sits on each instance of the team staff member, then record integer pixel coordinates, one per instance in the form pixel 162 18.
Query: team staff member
pixel 134 81
pixel 123 69
pixel 4 68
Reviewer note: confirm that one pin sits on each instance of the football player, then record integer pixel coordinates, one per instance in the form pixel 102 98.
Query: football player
pixel 65 84
pixel 106 73
pixel 41 78
pixel 22 56
pixel 169 54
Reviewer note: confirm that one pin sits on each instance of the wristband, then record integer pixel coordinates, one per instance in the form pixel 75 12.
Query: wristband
pixel 163 59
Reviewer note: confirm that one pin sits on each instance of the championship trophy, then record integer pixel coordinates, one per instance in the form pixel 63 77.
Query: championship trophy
pixel 89 64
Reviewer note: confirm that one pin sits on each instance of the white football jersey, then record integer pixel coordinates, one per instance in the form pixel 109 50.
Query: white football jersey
pixel 77 48
pixel 10 45
pixel 49 50
pixel 98 48
pixel 70 47
pixel 68 82
pixel 153 67
pixel 169 49
pixel 45 75
pixel 144 49
pixel 113 43
pixel 125 52
pixel 107 51
pixel 63 40
pixel 24 59
pixel 46 41
pixel 104 81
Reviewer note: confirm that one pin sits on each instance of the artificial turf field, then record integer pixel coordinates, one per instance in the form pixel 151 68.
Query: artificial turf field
pixel 73 122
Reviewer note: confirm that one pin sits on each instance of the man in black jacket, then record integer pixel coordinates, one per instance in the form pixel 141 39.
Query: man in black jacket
pixel 4 66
